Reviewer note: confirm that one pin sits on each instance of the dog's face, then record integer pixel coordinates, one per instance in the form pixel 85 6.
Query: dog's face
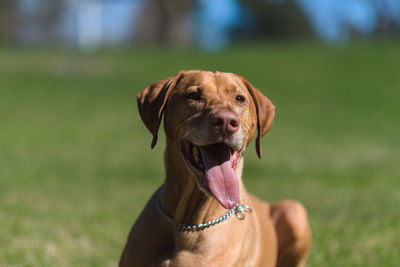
pixel 211 118
pixel 207 108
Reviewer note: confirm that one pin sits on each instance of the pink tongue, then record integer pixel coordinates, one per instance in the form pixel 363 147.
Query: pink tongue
pixel 221 178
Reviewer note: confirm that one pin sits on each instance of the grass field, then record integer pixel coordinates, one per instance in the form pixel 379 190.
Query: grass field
pixel 76 166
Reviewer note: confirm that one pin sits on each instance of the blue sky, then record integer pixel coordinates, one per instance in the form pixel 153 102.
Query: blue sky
pixel 328 15
pixel 213 20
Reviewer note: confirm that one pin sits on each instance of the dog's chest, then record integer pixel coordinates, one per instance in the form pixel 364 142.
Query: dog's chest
pixel 211 251
pixel 186 258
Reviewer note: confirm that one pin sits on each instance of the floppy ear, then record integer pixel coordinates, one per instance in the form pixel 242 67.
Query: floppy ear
pixel 151 103
pixel 265 113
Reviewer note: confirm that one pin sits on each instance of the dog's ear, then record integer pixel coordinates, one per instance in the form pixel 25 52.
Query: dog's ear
pixel 265 113
pixel 152 101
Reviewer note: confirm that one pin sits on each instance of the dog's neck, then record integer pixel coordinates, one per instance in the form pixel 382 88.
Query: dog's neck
pixel 181 198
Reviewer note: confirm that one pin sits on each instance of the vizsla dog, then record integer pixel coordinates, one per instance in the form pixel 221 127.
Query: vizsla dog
pixel 202 215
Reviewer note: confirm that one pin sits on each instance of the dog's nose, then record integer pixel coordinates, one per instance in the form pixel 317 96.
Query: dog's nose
pixel 225 122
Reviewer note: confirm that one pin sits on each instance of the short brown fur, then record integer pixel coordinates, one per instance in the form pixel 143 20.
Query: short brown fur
pixel 275 234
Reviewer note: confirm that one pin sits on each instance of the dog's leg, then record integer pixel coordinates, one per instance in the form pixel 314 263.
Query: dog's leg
pixel 293 231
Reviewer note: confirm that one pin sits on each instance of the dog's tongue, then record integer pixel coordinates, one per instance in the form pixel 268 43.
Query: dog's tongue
pixel 221 178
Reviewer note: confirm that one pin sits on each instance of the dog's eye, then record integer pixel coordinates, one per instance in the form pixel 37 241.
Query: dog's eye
pixel 240 98
pixel 193 96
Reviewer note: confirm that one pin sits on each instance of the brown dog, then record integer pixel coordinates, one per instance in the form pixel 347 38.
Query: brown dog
pixel 209 120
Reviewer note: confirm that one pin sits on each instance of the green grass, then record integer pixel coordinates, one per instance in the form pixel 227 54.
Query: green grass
pixel 76 166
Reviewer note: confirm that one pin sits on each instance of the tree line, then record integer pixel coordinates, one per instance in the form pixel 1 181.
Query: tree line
pixel 170 21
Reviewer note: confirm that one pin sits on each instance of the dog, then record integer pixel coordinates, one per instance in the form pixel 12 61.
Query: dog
pixel 202 215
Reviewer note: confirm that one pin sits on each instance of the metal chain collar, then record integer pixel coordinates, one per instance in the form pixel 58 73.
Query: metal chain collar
pixel 239 211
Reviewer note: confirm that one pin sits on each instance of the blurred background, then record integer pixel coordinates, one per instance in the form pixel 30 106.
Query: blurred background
pixel 75 161
pixel 206 24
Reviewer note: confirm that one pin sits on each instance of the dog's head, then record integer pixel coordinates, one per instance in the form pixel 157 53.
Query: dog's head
pixel 211 117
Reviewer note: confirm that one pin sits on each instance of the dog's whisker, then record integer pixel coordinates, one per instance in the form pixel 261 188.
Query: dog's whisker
pixel 185 136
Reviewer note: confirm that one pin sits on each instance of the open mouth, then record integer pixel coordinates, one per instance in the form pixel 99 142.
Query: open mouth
pixel 215 166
